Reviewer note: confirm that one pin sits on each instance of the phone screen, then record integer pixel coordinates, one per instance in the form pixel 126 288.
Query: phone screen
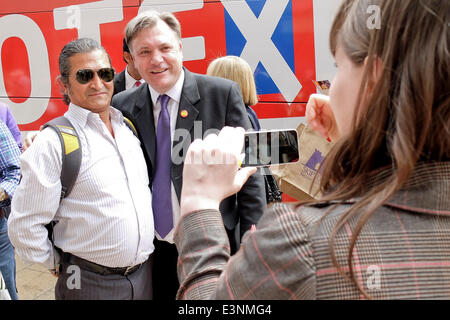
pixel 264 148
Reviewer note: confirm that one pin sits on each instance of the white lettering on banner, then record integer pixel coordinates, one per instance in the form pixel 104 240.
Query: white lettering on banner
pixel 90 16
pixel 260 47
pixel 28 31
pixel 193 47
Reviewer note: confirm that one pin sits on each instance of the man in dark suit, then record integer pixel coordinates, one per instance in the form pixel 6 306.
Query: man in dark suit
pixel 173 108
pixel 129 77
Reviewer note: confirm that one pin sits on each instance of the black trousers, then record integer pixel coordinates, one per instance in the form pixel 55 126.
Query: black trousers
pixel 165 278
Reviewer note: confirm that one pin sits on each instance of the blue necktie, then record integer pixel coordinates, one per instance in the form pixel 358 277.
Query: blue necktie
pixel 162 195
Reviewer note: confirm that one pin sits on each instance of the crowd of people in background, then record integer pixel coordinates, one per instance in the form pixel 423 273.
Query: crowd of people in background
pixel 140 224
pixel 10 146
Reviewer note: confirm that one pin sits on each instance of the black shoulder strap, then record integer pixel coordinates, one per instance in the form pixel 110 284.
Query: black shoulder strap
pixel 71 152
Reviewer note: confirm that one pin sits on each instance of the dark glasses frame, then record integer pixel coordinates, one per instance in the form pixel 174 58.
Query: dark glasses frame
pixel 83 76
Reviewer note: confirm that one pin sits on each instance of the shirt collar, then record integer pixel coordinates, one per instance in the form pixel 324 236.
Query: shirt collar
pixel 174 93
pixel 81 115
pixel 129 80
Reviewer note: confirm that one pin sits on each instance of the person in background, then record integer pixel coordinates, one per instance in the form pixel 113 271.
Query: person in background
pixel 238 70
pixel 381 228
pixel 130 77
pixel 7 117
pixel 169 110
pixel 4 293
pixel 104 227
pixel 9 179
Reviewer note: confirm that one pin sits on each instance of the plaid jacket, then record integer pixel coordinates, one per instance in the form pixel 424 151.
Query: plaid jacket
pixel 9 163
pixel 403 252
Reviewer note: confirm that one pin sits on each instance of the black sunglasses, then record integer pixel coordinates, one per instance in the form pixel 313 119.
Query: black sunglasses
pixel 85 75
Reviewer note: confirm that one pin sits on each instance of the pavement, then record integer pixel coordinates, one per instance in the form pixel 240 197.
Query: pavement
pixel 34 282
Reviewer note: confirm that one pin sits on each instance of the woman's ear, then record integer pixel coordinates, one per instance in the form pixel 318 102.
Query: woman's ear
pixel 376 71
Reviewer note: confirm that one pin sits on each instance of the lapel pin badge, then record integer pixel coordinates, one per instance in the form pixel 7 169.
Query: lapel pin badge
pixel 184 113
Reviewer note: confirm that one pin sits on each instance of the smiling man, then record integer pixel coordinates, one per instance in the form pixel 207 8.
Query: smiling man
pixel 173 105
pixel 103 238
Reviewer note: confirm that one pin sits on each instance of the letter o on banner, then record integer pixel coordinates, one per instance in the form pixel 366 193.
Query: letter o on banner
pixel 20 26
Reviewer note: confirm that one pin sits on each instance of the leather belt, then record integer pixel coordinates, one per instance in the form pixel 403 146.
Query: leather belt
pixel 97 268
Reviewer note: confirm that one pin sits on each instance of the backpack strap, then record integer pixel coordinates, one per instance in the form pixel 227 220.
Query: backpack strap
pixel 71 152
pixel 131 126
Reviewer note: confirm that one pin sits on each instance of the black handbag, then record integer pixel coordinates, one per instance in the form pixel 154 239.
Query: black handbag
pixel 273 192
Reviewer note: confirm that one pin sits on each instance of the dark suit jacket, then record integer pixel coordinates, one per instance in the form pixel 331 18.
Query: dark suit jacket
pixel 119 82
pixel 212 103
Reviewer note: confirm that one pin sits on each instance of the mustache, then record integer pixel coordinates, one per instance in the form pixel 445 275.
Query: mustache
pixel 95 92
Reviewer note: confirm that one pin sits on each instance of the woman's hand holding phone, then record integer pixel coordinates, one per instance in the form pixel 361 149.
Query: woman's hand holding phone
pixel 212 171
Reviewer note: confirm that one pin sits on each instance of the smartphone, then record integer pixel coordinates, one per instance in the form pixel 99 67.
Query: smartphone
pixel 267 147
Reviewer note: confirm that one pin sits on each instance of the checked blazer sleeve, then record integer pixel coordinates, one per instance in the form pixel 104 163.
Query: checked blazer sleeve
pixel 206 271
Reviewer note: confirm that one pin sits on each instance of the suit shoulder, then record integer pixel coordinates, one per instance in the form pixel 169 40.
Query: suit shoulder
pixel 119 76
pixel 119 79
pixel 124 100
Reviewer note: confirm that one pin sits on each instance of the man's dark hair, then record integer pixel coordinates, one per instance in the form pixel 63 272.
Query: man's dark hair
pixel 125 49
pixel 125 46
pixel 74 47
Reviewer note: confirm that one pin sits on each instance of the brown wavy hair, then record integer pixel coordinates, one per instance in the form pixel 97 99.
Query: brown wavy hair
pixel 404 120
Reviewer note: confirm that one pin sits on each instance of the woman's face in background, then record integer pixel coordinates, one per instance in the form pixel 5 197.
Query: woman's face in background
pixel 344 90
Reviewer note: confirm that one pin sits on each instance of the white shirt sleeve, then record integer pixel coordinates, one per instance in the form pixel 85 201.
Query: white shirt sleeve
pixel 36 200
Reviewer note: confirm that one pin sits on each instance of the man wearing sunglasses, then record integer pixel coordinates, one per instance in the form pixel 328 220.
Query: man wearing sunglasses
pixel 168 111
pixel 103 238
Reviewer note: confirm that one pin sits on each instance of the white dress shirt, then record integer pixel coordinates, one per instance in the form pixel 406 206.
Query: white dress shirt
pixel 130 82
pixel 173 105
pixel 107 218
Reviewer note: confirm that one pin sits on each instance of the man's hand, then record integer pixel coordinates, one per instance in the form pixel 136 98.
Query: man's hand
pixel 54 272
pixel 320 117
pixel 212 170
pixel 29 139
pixel 3 195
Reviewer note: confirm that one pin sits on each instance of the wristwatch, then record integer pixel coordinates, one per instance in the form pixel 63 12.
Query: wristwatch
pixel 3 195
